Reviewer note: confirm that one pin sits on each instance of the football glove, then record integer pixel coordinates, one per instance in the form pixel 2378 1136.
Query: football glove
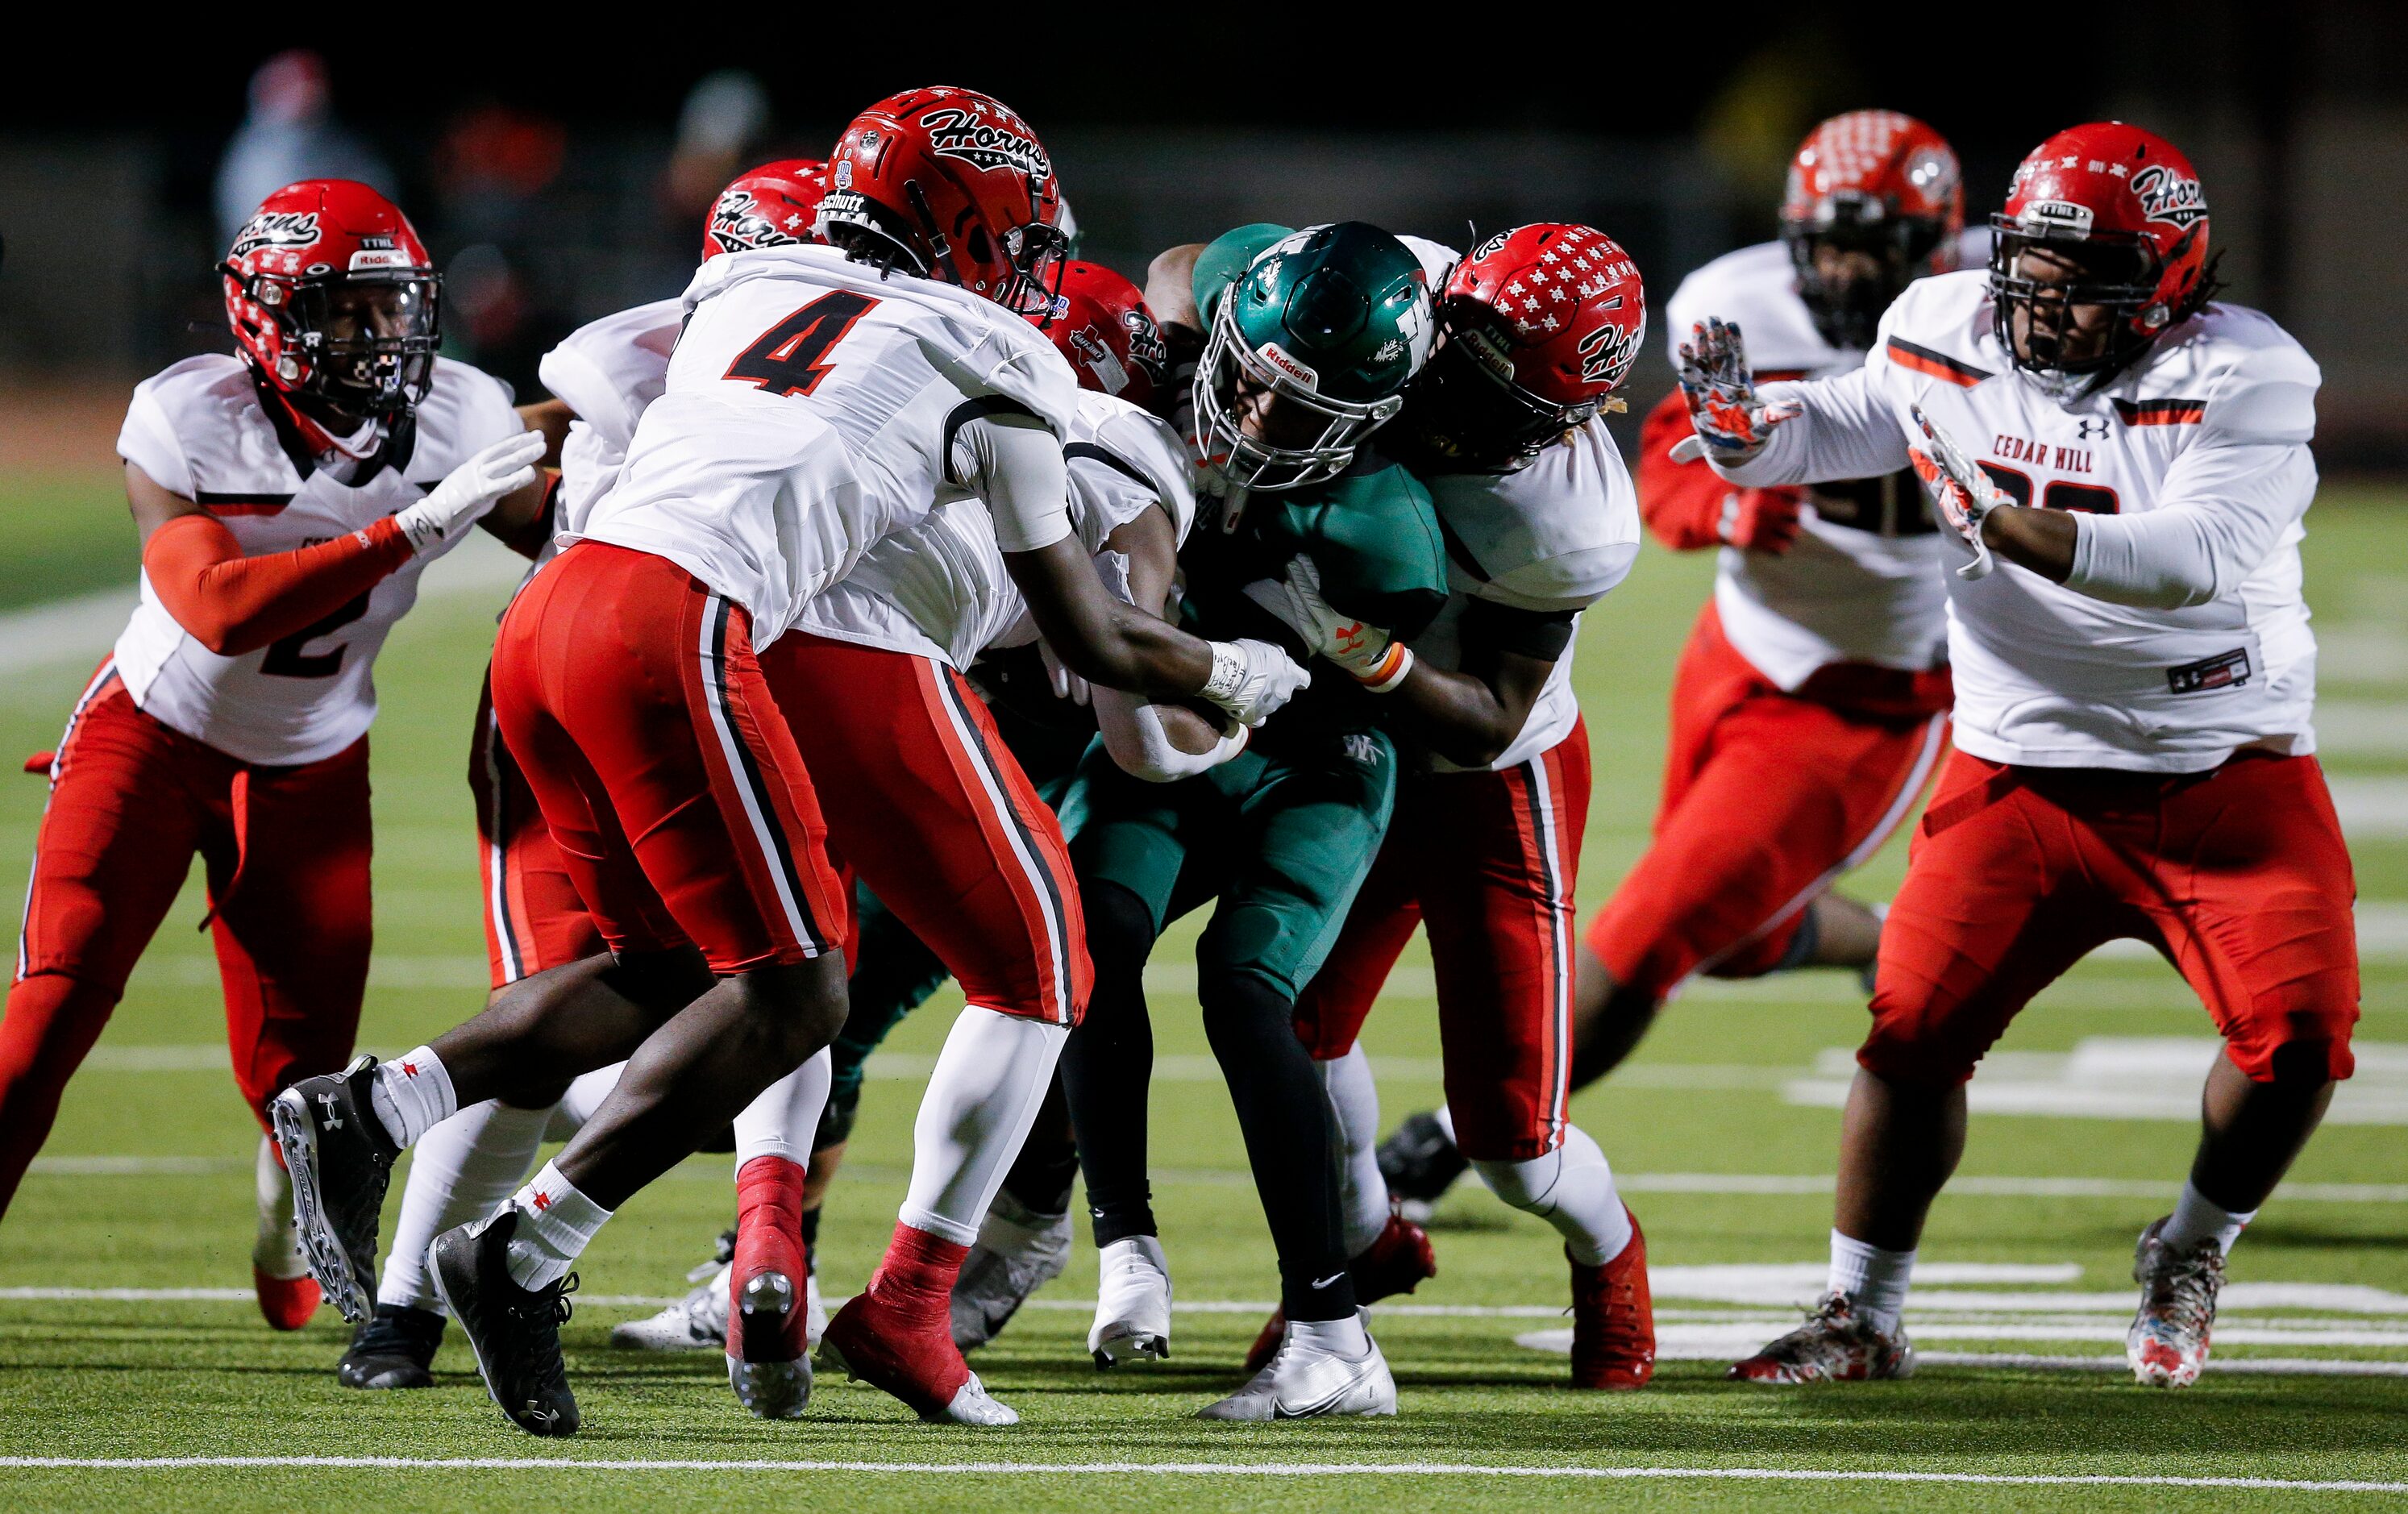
pixel 1369 655
pixel 1731 423
pixel 1963 492
pixel 468 491
pixel 1252 679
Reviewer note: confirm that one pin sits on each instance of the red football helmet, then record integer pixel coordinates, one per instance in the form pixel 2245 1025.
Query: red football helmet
pixel 775 205
pixel 2124 204
pixel 950 184
pixel 1541 324
pixel 332 296
pixel 1877 182
pixel 1101 323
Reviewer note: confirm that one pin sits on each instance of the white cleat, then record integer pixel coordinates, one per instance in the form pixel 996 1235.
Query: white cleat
pixel 1305 1382
pixel 1132 1303
pixel 696 1322
pixel 1018 1252
pixel 815 1311
pixel 972 1406
pixel 2168 1343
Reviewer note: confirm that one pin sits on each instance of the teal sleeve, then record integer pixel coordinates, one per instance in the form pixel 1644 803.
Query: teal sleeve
pixel 1220 265
pixel 1386 560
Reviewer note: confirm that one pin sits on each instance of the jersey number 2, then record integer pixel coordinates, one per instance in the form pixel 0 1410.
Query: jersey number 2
pixel 285 658
pixel 786 360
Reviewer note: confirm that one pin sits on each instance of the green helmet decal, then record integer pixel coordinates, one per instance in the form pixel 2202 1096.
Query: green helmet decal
pixel 1332 321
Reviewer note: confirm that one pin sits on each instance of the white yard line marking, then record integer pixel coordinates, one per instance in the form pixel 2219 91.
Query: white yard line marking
pixel 1690 1344
pixel 1196 1469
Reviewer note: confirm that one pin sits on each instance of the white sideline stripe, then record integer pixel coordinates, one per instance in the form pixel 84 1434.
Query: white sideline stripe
pixel 1559 1342
pixel 1198 1469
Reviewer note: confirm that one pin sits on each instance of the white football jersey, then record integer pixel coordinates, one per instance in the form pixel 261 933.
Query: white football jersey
pixel 1858 586
pixel 606 372
pixel 2214 419
pixel 198 430
pixel 1556 534
pixel 810 409
pixel 939 589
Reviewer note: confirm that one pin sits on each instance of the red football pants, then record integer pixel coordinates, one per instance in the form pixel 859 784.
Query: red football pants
pixel 534 918
pixel 1489 862
pixel 286 850
pixel 1768 797
pixel 630 693
pixel 2239 875
pixel 937 819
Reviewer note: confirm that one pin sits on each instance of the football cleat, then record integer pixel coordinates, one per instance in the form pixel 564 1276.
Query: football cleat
pixel 280 1274
pixel 697 1321
pixel 1304 1382
pixel 768 1358
pixel 1420 1162
pixel 394 1347
pixel 340 1161
pixel 870 1341
pixel 1834 1344
pixel 1018 1252
pixel 1132 1303
pixel 1398 1261
pixel 1614 1320
pixel 2168 1342
pixel 515 1331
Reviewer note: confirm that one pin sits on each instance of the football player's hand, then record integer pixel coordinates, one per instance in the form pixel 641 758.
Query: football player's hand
pixel 1367 652
pixel 1731 423
pixel 1761 519
pixel 1065 683
pixel 1963 493
pixel 468 491
pixel 1252 679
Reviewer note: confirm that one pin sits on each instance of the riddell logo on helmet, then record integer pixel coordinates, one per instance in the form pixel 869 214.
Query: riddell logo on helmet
pixel 277 228
pixel 956 133
pixel 2168 197
pixel 1273 353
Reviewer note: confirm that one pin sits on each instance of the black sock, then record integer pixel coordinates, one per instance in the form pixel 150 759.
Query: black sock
pixel 1108 1063
pixel 811 1230
pixel 1040 1177
pixel 1284 1117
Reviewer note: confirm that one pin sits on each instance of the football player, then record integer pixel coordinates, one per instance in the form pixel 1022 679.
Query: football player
pixel 1308 338
pixel 287 497
pixel 1809 711
pixel 2121 462
pixel 1538 328
pixel 817 399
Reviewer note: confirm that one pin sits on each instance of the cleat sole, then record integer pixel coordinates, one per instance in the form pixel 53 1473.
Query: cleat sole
pixel 329 1263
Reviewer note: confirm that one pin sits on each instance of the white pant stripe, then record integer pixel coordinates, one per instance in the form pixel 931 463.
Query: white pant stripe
pixel 1041 882
pixel 757 810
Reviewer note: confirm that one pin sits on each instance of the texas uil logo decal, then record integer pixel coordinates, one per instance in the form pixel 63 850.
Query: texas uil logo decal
pixel 1607 353
pixel 956 133
pixel 277 228
pixel 2166 195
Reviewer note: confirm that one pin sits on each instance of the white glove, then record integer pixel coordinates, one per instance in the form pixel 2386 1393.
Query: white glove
pixel 1065 683
pixel 1964 493
pixel 1252 679
pixel 468 491
pixel 1731 424
pixel 1376 659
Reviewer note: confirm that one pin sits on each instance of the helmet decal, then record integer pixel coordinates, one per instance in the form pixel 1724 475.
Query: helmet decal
pixel 275 228
pixel 2168 196
pixel 1607 352
pixel 956 133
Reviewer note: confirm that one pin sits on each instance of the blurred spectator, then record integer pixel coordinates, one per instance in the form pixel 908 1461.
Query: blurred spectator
pixel 726 115
pixel 290 133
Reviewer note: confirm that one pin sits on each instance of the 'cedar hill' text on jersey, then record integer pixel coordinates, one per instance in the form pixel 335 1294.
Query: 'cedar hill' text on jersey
pixel 197 430
pixel 811 408
pixel 2214 419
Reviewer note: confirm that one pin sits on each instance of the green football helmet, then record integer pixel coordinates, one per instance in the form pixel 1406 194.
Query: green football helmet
pixel 1333 320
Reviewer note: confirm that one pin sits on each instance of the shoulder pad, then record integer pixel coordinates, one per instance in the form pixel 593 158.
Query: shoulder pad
pixel 1757 287
pixel 1940 328
pixel 2258 383
pixel 1136 440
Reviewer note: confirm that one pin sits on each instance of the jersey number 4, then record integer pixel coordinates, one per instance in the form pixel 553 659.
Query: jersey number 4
pixel 788 358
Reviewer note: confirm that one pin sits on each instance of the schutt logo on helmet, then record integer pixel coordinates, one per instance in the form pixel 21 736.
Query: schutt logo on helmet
pixel 956 133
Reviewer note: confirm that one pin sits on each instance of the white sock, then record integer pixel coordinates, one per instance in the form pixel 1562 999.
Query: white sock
pixel 1875 1278
pixel 982 1098
pixel 2196 1219
pixel 1571 1188
pixel 413 1094
pixel 585 1095
pixel 461 1170
pixel 1345 1338
pixel 1445 1117
pixel 556 1223
pixel 1353 1098
pixel 782 1121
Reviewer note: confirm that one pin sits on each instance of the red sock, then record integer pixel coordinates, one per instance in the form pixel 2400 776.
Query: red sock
pixel 51 1024
pixel 916 1278
pixel 768 1205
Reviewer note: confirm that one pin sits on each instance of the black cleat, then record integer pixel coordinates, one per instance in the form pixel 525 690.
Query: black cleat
pixel 341 1161
pixel 515 1331
pixel 1420 1162
pixel 394 1349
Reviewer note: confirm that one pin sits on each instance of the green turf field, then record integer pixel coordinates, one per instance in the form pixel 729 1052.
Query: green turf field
pixel 1724 1131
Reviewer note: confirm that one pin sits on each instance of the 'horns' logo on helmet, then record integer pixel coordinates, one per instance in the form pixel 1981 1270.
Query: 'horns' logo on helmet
pixel 277 228
pixel 1607 353
pixel 956 133
pixel 738 222
pixel 2168 197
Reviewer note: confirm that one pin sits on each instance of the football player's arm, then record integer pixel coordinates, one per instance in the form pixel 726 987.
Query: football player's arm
pixel 2226 508
pixel 522 520
pixel 1687 506
pixel 1844 428
pixel 1156 742
pixel 1170 294
pixel 232 604
pixel 551 417
pixel 1471 716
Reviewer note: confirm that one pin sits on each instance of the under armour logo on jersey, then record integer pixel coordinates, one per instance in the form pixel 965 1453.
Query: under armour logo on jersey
pixel 2082 427
pixel 331 1120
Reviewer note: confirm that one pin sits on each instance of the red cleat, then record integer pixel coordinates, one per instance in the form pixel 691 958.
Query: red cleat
pixel 1398 1261
pixel 896 1335
pixel 287 1302
pixel 1614 1320
pixel 769 1364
